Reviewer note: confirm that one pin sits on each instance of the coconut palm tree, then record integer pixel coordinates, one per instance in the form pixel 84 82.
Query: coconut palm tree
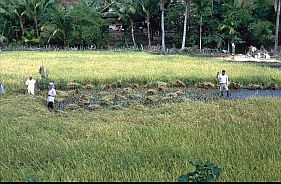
pixel 19 14
pixel 59 25
pixel 277 5
pixel 162 8
pixel 35 9
pixel 186 15
pixel 126 11
pixel 15 10
pixel 203 9
pixel 148 8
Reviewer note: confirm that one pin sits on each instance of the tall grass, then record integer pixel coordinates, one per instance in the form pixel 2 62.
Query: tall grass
pixel 107 67
pixel 241 137
pixel 137 144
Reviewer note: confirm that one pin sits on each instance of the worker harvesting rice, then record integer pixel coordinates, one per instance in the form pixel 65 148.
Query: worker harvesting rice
pixel 52 94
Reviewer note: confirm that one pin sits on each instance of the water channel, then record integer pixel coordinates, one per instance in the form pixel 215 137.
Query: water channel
pixel 246 93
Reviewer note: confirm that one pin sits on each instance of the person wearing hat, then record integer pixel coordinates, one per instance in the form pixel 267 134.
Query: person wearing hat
pixel 30 83
pixel 223 81
pixel 52 94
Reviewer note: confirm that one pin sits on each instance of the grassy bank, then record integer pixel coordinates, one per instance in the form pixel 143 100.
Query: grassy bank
pixel 243 138
pixel 107 67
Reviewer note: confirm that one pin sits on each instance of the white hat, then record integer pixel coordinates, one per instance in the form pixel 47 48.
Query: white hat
pixel 51 84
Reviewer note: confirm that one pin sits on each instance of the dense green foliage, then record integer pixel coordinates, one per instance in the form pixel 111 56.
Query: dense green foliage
pixel 44 22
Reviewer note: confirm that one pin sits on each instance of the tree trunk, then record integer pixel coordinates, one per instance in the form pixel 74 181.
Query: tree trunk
pixel 163 25
pixel 185 24
pixel 21 23
pixel 3 30
pixel 22 29
pixel 36 27
pixel 228 47
pixel 132 32
pixel 200 34
pixel 277 27
pixel 64 40
pixel 148 29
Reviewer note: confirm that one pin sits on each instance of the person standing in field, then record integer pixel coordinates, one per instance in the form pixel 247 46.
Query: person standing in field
pixel 233 48
pixel 52 94
pixel 30 83
pixel 223 82
pixel 2 89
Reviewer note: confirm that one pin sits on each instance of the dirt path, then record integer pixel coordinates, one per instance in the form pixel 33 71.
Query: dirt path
pixel 244 58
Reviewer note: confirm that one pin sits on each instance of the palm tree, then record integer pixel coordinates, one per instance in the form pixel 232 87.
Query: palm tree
pixel 148 9
pixel 229 25
pixel 58 25
pixel 277 9
pixel 4 18
pixel 35 9
pixel 204 9
pixel 15 10
pixel 162 8
pixel 19 15
pixel 186 15
pixel 126 11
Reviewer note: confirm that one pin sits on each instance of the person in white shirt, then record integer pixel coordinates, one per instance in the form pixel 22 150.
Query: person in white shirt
pixel 30 83
pixel 2 89
pixel 233 48
pixel 223 81
pixel 52 94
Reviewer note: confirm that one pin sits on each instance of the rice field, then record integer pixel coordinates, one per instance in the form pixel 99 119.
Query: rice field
pixel 129 67
pixel 139 143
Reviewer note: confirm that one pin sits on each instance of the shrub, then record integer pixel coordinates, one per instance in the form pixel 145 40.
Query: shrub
pixel 204 172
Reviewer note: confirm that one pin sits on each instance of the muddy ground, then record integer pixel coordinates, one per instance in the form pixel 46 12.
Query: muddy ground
pixel 105 97
pixel 115 96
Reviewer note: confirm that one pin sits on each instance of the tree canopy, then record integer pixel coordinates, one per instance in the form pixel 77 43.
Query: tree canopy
pixel 183 23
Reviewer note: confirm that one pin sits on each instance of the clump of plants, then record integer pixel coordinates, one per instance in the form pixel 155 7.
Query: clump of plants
pixel 204 172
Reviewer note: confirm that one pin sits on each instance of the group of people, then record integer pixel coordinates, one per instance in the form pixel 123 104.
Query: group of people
pixel 52 94
pixel 30 84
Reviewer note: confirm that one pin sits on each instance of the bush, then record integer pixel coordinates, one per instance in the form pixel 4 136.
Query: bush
pixel 204 172
pixel 87 27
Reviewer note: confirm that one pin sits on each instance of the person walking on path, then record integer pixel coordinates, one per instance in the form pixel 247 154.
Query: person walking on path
pixel 223 82
pixel 52 94
pixel 30 83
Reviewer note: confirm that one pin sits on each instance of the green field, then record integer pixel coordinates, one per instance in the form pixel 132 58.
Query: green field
pixel 107 67
pixel 135 144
